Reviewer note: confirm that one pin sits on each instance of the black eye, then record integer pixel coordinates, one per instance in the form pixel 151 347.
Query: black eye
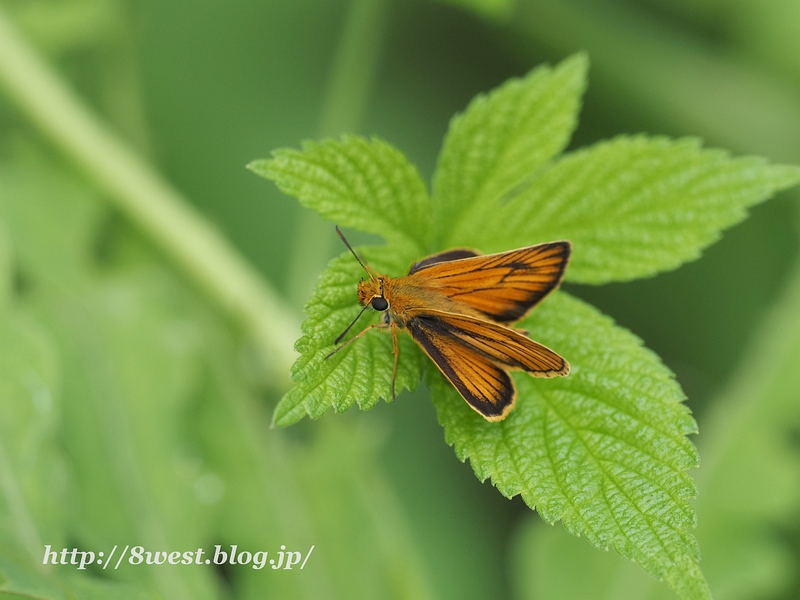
pixel 379 303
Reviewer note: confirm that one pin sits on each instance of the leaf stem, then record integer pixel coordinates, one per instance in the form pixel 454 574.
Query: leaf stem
pixel 193 243
pixel 352 75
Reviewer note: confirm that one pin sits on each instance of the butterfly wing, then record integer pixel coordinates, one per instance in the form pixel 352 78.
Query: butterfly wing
pixel 475 355
pixel 505 286
pixel 446 256
pixel 487 388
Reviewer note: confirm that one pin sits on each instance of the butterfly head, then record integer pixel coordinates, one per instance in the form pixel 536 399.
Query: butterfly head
pixel 372 292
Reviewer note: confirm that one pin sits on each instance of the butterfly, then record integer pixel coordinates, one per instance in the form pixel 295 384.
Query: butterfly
pixel 459 307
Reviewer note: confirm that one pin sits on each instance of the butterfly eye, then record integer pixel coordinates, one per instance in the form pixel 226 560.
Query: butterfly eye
pixel 379 303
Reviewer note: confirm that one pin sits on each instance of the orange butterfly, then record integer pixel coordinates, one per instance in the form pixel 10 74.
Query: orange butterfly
pixel 458 305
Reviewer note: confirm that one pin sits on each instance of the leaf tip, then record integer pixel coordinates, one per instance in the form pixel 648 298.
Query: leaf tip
pixel 576 64
pixel 784 176
pixel 285 420
pixel 258 166
pixel 289 410
pixel 270 168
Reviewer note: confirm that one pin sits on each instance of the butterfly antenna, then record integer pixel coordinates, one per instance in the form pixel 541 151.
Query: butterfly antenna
pixel 363 266
pixel 344 333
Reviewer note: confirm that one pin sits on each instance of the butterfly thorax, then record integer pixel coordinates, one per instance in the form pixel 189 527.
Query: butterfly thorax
pixel 408 296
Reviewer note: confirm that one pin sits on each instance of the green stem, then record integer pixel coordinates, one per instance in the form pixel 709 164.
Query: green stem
pixel 355 66
pixel 148 200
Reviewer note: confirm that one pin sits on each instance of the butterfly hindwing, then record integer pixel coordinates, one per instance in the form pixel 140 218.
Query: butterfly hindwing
pixel 506 347
pixel 486 387
pixel 475 354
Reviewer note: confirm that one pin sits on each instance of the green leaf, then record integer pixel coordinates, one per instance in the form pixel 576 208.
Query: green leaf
pixel 359 183
pixel 345 488
pixel 499 141
pixel 634 206
pixel 52 216
pixel 131 358
pixel 544 562
pixel 604 450
pixel 32 473
pixel 318 492
pixel 747 486
pixel 751 467
pixel 35 504
pixel 6 268
pixel 362 371
pixel 130 368
pixel 146 365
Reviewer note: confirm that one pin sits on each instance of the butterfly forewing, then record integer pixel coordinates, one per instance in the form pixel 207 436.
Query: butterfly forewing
pixel 446 256
pixel 503 286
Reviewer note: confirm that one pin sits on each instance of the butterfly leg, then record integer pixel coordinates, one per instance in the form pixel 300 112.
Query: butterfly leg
pixel 396 351
pixel 355 337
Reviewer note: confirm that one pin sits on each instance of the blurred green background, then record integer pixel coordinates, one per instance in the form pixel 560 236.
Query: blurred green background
pixel 134 409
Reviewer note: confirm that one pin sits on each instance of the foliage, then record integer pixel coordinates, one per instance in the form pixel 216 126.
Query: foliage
pixel 134 408
pixel 746 450
pixel 604 449
pixel 108 349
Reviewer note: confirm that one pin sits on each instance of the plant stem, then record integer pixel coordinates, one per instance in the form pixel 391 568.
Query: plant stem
pixel 355 66
pixel 148 200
